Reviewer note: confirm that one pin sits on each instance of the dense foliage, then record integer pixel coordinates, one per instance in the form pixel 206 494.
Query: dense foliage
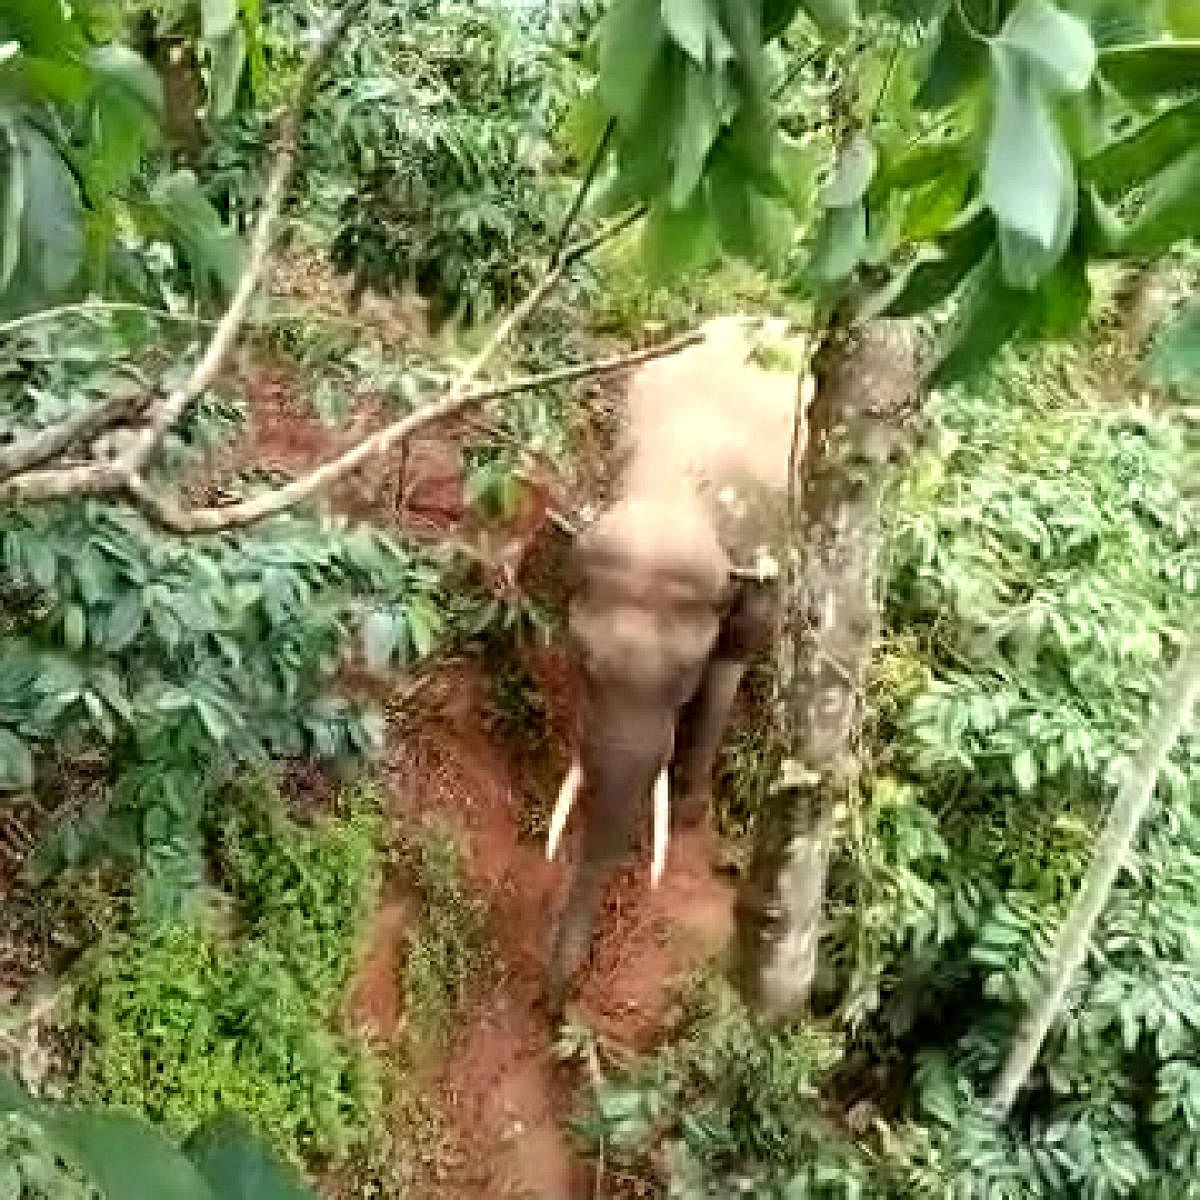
pixel 1043 569
pixel 236 1007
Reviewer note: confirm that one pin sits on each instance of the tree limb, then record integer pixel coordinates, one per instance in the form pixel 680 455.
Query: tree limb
pixel 1176 702
pixel 45 444
pixel 459 398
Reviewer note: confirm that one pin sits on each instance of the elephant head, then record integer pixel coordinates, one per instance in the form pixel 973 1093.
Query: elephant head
pixel 650 625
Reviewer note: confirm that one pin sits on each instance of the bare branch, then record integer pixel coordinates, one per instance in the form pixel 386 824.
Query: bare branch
pixel 122 474
pixel 1178 697
pixel 205 371
pixel 45 444
pixel 95 308
pixel 459 398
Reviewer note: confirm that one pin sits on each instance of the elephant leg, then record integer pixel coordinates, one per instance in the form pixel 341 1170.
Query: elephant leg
pixel 701 727
pixel 746 631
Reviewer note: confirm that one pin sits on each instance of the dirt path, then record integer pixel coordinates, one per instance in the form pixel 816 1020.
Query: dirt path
pixel 501 1091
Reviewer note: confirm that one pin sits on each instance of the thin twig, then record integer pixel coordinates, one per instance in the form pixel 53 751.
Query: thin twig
pixel 205 371
pixel 581 193
pixel 458 398
pixel 89 308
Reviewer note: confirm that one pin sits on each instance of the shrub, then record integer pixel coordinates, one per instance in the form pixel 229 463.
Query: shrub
pixel 185 1019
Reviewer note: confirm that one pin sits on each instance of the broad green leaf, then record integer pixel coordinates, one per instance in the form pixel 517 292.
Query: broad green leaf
pixel 853 173
pixel 52 224
pixel 686 23
pixel 1183 18
pixel 683 239
pixel 1172 209
pixel 1102 229
pixel 120 67
pixel 13 181
pixel 931 282
pixel 1064 295
pixel 227 59
pixel 74 627
pixel 631 41
pixel 217 18
pixel 931 209
pixel 1028 179
pixel 1175 358
pixel 697 131
pixel 991 314
pixel 237 1166
pixel 1152 69
pixel 16 773
pixel 124 621
pixel 423 624
pixel 1058 43
pixel 1134 159
pixel 210 248
pixel 959 59
pixel 380 635
pixel 841 240
pixel 796 167
pixel 126 1157
pixel 777 16
pixel 834 18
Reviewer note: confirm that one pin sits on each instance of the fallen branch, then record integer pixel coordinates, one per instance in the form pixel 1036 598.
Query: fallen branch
pixel 459 398
pixel 48 443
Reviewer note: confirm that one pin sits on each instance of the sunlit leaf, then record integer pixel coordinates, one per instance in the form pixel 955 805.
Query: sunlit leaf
pixel 1055 41
pixel 1153 69
pixel 1171 213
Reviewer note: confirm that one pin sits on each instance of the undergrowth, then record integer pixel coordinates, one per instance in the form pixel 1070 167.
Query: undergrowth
pixel 446 942
pixel 237 1006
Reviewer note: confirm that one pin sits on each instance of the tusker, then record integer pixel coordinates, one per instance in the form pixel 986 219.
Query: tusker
pixel 673 591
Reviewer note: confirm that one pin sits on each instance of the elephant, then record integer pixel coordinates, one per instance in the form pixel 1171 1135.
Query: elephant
pixel 664 614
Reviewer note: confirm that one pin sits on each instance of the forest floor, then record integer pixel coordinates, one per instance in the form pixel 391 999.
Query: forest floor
pixel 502 1094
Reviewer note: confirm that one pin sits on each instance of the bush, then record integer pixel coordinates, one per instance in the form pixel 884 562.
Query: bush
pixel 184 1020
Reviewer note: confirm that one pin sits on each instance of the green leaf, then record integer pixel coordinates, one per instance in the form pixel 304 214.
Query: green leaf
pixel 126 1157
pixel 631 41
pixel 1134 159
pixel 841 240
pixel 1175 358
pixel 122 68
pixel 52 229
pixel 853 173
pixel 13 181
pixel 931 208
pixel 1025 771
pixel 1183 18
pixel 124 622
pixel 237 1166
pixel 380 635
pixel 1152 69
pixel 1172 210
pixel 227 58
pixel 1028 178
pixel 777 16
pixel 697 131
pixel 209 247
pixel 16 773
pixel 958 61
pixel 680 239
pixel 686 23
pixel 1064 295
pixel 834 18
pixel 992 313
pixel 74 627
pixel 1058 44
pixel 931 282
pixel 217 18
pixel 423 623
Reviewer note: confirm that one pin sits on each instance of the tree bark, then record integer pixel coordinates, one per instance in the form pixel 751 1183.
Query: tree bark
pixel 867 386
pixel 1175 706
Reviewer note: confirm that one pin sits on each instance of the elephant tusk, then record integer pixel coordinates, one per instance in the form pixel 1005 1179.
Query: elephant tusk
pixel 661 818
pixel 562 808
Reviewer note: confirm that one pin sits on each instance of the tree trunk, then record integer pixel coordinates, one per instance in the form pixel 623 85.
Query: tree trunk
pixel 1174 712
pixel 867 384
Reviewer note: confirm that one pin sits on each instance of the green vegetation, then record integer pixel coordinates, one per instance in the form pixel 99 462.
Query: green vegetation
pixel 966 164
pixel 445 945
pixel 237 1008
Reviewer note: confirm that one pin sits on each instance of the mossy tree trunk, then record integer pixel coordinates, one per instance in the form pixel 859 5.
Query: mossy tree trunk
pixel 867 386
